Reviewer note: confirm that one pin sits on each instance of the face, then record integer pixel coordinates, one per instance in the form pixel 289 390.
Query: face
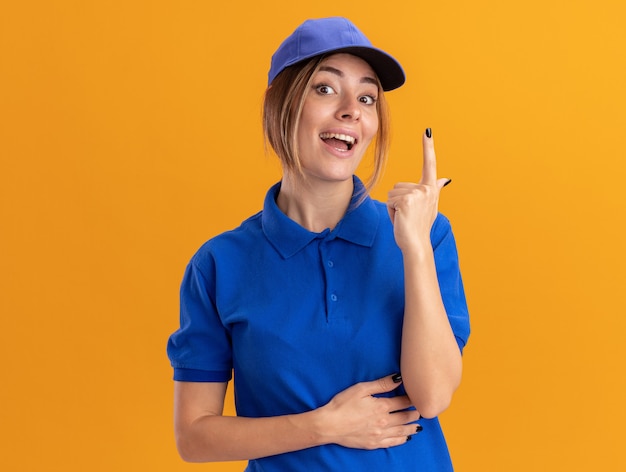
pixel 339 118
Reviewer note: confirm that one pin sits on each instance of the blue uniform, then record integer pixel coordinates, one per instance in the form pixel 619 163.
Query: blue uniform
pixel 300 316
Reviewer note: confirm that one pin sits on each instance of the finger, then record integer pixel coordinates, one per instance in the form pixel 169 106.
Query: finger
pixel 401 435
pixel 429 169
pixel 404 417
pixel 401 189
pixel 396 441
pixel 399 403
pixel 404 185
pixel 382 385
pixel 410 429
pixel 413 430
pixel 441 183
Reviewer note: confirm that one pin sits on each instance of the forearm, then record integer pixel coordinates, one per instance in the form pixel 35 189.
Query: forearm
pixel 354 418
pixel 226 438
pixel 431 360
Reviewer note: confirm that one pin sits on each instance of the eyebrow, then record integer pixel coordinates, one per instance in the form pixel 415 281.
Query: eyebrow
pixel 337 72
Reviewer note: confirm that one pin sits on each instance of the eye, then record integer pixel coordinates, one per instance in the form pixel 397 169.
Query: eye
pixel 324 89
pixel 367 99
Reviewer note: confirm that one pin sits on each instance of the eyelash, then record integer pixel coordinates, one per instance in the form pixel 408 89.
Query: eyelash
pixel 318 88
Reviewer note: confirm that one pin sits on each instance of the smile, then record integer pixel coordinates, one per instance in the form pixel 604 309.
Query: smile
pixel 341 142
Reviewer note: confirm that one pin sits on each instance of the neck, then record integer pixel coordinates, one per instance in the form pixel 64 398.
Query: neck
pixel 314 206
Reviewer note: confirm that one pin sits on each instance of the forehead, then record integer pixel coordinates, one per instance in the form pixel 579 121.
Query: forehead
pixel 349 64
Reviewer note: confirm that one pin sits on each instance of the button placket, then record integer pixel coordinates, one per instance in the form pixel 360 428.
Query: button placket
pixel 329 271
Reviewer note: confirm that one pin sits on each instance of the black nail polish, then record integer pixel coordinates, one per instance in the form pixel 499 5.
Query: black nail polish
pixel 408 438
pixel 397 378
pixel 418 428
pixel 448 182
pixel 429 133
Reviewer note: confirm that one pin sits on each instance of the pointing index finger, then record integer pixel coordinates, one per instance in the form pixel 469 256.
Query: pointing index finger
pixel 429 170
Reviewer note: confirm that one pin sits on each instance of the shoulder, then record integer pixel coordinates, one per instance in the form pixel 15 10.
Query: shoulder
pixel 230 243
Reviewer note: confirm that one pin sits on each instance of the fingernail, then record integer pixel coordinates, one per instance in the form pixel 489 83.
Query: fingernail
pixel 408 438
pixel 448 182
pixel 429 133
pixel 418 428
pixel 397 378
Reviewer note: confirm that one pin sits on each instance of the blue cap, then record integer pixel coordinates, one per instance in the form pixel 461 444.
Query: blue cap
pixel 334 35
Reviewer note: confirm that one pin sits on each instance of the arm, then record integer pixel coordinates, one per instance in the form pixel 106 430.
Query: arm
pixel 353 418
pixel 431 361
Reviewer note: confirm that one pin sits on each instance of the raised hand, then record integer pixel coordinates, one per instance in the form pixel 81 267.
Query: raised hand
pixel 412 206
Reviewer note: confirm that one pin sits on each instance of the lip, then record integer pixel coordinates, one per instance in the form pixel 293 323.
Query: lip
pixel 340 152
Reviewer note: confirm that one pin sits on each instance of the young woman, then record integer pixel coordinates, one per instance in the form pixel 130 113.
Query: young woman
pixel 318 302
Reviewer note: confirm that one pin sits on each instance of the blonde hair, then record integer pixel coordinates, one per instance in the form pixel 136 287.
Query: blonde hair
pixel 282 108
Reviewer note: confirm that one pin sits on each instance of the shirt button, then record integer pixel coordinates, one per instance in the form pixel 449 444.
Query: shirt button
pixel 333 297
pixel 331 263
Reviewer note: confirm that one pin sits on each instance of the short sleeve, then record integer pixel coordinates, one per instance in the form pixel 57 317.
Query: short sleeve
pixel 450 281
pixel 200 350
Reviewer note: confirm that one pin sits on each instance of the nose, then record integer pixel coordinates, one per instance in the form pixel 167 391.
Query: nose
pixel 349 110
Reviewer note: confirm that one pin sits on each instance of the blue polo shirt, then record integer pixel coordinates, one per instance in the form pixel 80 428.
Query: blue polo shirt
pixel 300 316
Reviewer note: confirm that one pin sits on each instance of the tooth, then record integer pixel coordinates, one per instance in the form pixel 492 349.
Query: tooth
pixel 342 137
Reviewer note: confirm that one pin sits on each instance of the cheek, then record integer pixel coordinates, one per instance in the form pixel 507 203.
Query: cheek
pixel 305 137
pixel 372 126
pixel 307 121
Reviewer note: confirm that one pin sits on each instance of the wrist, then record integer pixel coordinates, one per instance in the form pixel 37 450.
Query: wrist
pixel 315 425
pixel 418 251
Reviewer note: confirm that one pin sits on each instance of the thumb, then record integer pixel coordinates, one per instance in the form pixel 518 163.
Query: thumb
pixel 441 183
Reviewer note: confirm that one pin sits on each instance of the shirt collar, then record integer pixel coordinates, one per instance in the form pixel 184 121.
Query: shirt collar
pixel 359 225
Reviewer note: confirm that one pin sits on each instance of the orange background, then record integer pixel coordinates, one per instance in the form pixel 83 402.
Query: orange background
pixel 130 134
